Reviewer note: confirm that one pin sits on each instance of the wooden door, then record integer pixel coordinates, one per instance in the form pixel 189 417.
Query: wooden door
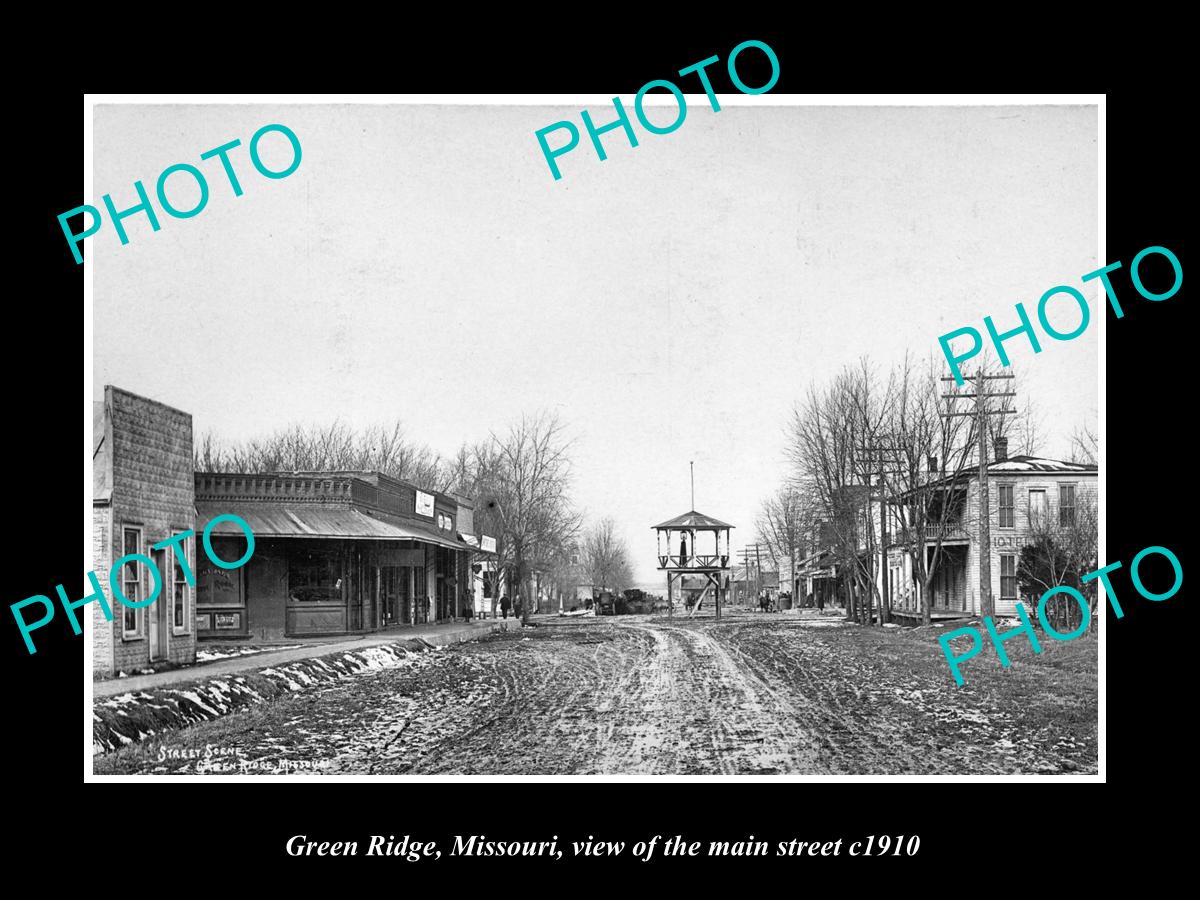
pixel 159 612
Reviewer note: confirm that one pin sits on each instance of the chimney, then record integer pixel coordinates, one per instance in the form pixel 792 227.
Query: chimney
pixel 933 465
pixel 1001 449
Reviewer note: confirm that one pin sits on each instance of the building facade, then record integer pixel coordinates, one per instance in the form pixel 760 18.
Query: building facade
pixel 1026 495
pixel 335 553
pixel 142 495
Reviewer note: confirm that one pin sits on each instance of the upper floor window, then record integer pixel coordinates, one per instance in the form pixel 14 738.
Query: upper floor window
pixel 1037 507
pixel 1066 505
pixel 1007 506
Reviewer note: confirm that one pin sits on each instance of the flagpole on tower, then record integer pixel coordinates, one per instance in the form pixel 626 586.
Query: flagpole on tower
pixel 692 468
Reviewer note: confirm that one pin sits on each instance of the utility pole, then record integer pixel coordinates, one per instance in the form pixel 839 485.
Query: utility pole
pixel 758 565
pixel 982 414
pixel 871 452
pixel 752 554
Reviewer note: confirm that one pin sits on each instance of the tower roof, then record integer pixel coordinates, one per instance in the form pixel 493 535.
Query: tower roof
pixel 693 519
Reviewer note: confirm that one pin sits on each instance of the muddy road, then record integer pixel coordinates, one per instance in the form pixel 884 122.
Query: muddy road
pixel 753 694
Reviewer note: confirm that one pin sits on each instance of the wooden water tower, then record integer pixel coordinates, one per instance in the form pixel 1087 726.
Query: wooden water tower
pixel 694 544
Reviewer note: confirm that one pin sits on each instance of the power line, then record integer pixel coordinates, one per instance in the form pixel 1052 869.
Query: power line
pixel 982 416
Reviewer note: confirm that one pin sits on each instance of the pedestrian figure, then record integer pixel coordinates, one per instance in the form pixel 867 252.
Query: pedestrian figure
pixel 505 605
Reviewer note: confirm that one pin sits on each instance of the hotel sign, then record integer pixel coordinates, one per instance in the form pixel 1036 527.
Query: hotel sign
pixel 424 504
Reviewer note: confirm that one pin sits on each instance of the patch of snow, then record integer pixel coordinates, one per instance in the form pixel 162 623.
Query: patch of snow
pixel 195 698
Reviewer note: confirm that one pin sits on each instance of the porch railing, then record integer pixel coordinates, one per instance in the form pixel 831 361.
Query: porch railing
pixel 946 531
pixel 695 561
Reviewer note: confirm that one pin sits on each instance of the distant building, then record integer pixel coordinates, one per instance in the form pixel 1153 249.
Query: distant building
pixel 142 494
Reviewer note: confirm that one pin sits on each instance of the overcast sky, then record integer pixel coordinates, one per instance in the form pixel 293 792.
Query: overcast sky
pixel 671 302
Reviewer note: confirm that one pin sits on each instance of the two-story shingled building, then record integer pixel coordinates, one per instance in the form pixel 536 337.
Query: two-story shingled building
pixel 141 496
pixel 335 552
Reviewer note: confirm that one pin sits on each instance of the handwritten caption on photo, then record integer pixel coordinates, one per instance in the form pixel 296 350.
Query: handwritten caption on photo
pixel 217 760
pixel 124 569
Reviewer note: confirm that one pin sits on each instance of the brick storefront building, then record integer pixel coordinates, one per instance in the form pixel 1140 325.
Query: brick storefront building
pixel 335 553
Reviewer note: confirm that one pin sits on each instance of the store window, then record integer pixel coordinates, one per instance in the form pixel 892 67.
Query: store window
pixel 131 584
pixel 216 586
pixel 315 576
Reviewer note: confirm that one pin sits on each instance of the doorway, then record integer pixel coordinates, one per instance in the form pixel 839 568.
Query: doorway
pixel 159 613
pixel 395 595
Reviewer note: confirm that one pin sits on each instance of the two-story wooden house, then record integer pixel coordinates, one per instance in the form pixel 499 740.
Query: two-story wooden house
pixel 1025 493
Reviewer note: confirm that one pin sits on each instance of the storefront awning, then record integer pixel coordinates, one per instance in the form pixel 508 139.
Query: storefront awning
pixel 330 523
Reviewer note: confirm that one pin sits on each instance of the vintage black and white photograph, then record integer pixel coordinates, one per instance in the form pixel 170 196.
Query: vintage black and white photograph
pixel 410 458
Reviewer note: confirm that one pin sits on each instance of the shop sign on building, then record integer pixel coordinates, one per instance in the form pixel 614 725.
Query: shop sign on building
pixel 424 504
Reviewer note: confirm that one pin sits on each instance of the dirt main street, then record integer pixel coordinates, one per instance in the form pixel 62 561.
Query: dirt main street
pixel 752 694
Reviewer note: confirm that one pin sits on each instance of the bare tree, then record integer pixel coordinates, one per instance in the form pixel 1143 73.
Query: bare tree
pixel 782 526
pixel 331 447
pixel 827 432
pixel 525 478
pixel 1023 429
pixel 604 556
pixel 1085 446
pixel 930 476
pixel 1061 553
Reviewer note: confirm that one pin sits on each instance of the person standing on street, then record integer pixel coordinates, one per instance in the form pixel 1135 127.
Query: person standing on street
pixel 504 605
